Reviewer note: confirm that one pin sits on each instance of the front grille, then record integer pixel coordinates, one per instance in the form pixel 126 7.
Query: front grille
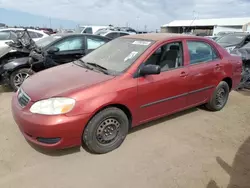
pixel 23 98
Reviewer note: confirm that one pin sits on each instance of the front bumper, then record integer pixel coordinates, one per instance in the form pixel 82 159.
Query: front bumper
pixel 55 132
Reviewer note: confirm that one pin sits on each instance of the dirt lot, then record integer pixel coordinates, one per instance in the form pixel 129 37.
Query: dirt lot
pixel 192 149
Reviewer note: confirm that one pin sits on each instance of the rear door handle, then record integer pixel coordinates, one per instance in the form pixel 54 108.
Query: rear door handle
pixel 183 74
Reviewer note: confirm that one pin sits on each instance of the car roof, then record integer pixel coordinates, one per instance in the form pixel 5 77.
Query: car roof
pixel 160 36
pixel 77 34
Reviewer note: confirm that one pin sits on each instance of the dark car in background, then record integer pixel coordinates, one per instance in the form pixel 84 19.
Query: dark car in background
pixel 233 40
pixel 51 51
pixel 244 52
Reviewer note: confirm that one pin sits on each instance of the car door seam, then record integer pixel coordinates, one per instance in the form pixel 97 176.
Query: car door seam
pixel 176 96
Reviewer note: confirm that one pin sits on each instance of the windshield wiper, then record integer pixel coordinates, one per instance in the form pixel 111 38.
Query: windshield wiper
pixel 83 64
pixel 99 67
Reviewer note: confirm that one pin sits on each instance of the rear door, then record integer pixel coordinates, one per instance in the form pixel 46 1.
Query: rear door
pixel 204 70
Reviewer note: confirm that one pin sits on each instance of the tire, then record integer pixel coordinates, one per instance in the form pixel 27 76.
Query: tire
pixel 100 125
pixel 24 71
pixel 213 103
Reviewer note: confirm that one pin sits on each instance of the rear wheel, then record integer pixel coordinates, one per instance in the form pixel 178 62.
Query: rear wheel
pixel 18 77
pixel 219 97
pixel 106 130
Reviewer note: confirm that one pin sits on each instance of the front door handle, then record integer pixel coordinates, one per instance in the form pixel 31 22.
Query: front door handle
pixel 183 74
pixel 217 66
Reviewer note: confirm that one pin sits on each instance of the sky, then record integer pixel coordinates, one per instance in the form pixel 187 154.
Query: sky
pixel 135 13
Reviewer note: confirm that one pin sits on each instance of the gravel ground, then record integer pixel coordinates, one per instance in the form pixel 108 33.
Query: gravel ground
pixel 192 149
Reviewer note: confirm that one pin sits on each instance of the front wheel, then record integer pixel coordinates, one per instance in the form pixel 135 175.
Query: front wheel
pixel 18 77
pixel 106 130
pixel 219 97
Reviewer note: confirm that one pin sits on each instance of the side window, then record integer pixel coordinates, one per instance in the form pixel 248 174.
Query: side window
pixel 168 56
pixel 70 43
pixel 88 30
pixel 93 43
pixel 200 52
pixel 113 35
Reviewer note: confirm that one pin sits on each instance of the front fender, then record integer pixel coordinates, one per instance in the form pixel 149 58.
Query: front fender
pixel 93 105
pixel 16 63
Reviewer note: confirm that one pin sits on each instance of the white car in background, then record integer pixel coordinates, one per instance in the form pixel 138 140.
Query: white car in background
pixel 91 29
pixel 112 34
pixel 7 35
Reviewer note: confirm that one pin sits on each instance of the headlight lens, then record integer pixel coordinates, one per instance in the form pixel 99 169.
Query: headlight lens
pixel 229 49
pixel 53 106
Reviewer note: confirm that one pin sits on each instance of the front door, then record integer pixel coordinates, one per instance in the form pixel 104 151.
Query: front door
pixel 166 93
pixel 70 49
pixel 204 71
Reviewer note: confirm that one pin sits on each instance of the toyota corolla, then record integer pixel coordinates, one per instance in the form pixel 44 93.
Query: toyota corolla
pixel 129 81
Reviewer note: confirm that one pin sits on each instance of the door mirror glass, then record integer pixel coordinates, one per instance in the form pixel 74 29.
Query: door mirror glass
pixel 150 69
pixel 53 50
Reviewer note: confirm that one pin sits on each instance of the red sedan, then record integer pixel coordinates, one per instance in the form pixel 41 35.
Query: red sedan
pixel 124 83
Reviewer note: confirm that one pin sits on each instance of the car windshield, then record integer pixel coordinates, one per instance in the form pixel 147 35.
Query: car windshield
pixel 47 40
pixel 231 39
pixel 118 54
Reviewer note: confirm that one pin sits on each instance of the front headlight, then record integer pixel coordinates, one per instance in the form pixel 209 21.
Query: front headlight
pixel 231 48
pixel 53 106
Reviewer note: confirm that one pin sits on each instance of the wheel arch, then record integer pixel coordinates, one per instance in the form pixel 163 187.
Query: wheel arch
pixel 18 68
pixel 120 106
pixel 229 81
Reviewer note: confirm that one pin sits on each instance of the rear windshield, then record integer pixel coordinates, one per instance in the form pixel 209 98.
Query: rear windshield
pixel 231 39
pixel 101 32
pixel 118 54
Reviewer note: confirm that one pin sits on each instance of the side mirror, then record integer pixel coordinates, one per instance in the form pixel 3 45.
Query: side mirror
pixel 53 50
pixel 150 69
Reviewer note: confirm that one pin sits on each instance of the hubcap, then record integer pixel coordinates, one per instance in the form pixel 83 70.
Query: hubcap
pixel 107 131
pixel 19 78
pixel 220 97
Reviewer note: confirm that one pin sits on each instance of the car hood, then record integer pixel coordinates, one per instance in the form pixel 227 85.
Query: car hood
pixel 60 80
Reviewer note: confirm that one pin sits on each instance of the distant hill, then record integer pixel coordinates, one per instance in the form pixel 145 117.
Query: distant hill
pixel 13 17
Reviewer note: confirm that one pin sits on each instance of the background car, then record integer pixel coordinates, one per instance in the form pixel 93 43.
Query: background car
pixel 234 40
pixel 56 49
pixel 111 33
pixel 34 34
pixel 91 29
pixel 6 35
